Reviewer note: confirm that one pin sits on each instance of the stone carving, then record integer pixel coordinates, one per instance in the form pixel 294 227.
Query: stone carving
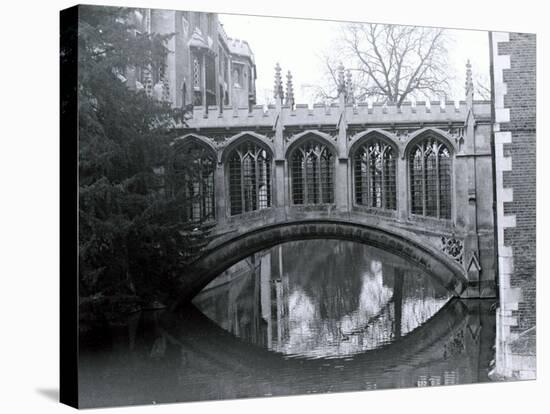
pixel 456 133
pixel 453 247
pixel 402 134
pixel 219 141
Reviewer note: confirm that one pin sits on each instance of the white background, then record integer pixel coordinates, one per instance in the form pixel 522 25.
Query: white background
pixel 29 207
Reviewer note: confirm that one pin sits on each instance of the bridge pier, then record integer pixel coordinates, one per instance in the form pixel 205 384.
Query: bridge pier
pixel 219 191
pixel 341 185
pixel 280 187
pixel 402 186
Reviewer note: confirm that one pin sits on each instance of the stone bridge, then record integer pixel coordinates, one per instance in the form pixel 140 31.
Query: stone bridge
pixel 416 180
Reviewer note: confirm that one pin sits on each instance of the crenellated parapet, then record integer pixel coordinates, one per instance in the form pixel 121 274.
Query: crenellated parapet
pixel 434 112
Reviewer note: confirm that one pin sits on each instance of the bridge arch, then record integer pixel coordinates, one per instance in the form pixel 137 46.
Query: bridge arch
pixel 363 137
pixel 220 255
pixel 248 168
pixel 431 179
pixel 193 156
pixel 244 136
pixel 311 134
pixel 374 155
pixel 311 161
pixel 188 139
pixel 437 133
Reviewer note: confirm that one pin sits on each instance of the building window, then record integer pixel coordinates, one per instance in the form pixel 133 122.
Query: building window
pixel 194 166
pixel 250 80
pixel 196 73
pixel 237 75
pixel 430 179
pixel 210 71
pixel 197 81
pixel 375 177
pixel 312 174
pixel 249 178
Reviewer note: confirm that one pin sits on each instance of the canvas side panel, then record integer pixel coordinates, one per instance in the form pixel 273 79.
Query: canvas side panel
pixel 68 207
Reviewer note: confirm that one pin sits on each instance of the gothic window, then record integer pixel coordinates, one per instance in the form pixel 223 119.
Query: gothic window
pixel 196 73
pixel 197 80
pixel 237 75
pixel 374 165
pixel 194 166
pixel 210 81
pixel 430 179
pixel 249 178
pixel 312 174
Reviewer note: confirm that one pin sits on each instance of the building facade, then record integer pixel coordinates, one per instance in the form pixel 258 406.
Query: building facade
pixel 204 67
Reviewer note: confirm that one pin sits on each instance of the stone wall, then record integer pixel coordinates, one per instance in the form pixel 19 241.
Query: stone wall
pixel 514 85
pixel 514 56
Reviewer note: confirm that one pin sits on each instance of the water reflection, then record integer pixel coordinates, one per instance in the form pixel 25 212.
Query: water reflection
pixel 344 299
pixel 324 317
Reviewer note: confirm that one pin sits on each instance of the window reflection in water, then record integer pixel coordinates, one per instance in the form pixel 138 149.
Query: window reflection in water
pixel 321 298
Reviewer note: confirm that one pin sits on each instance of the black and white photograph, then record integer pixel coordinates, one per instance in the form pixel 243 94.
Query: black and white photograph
pixel 353 213
pixel 244 207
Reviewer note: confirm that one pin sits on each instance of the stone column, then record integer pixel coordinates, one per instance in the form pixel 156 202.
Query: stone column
pixel 203 82
pixel 219 188
pixel 402 195
pixel 279 190
pixel 341 183
pixel 468 206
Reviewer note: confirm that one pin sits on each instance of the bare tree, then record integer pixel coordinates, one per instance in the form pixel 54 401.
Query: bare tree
pixel 389 63
pixel 482 88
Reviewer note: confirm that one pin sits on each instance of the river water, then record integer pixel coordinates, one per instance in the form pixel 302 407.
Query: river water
pixel 303 317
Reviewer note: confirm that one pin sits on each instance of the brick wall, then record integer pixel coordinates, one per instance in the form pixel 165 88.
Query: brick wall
pixel 514 65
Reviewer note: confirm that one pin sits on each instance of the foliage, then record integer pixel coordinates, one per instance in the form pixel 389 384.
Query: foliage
pixel 131 241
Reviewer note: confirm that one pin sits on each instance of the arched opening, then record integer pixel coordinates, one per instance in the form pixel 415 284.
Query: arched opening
pixel 375 175
pixel 221 256
pixel 430 167
pixel 193 167
pixel 312 173
pixel 249 167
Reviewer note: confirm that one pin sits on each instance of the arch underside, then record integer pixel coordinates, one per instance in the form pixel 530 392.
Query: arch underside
pixel 219 256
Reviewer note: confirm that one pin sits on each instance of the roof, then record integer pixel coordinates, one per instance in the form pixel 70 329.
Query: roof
pixel 197 40
pixel 240 48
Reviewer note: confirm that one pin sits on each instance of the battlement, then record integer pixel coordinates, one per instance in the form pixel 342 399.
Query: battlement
pixel 320 114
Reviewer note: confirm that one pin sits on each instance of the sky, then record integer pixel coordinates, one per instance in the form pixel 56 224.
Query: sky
pixel 299 44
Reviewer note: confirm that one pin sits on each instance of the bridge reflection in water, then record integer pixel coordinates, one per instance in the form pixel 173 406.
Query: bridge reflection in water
pixel 303 317
pixel 321 298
